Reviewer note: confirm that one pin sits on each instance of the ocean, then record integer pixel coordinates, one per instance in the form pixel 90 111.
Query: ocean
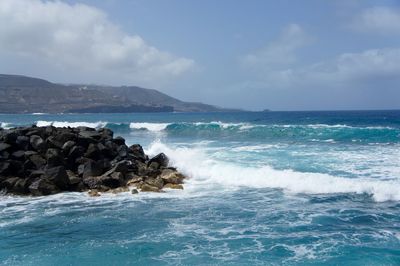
pixel 264 188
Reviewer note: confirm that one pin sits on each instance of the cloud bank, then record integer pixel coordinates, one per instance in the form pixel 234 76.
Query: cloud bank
pixel 280 52
pixel 81 38
pixel 382 20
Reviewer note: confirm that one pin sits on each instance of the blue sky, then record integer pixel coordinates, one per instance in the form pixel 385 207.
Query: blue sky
pixel 281 55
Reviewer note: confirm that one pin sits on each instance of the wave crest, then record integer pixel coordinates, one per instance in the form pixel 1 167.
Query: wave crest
pixel 205 171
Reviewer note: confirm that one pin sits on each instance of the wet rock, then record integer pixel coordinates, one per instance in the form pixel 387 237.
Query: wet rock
pixel 66 148
pixel 119 190
pixel 132 179
pixel 119 141
pixel 22 142
pixel 134 191
pixel 37 160
pixel 114 180
pixel 42 187
pixel 76 152
pixel 90 134
pixel 92 168
pixel 93 151
pixel 94 193
pixel 21 186
pixel 173 186
pixel 10 137
pixel 5 168
pixel 58 175
pixel 155 182
pixel 148 188
pixel 54 157
pixel 4 146
pixel 9 183
pixel 123 151
pixel 161 159
pixel 137 152
pixel 18 155
pixel 73 178
pixel 171 176
pixel 47 160
pixel 37 143
pixel 122 166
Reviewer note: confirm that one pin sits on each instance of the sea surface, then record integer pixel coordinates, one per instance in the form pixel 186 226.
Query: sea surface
pixel 267 188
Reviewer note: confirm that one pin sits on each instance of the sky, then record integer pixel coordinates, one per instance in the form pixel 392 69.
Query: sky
pixel 255 55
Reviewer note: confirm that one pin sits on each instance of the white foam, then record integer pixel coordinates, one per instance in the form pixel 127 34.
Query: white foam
pixel 5 125
pixel 205 171
pixel 149 126
pixel 70 124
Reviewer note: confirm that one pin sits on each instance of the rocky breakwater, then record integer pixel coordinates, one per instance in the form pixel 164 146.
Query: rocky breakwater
pixel 47 160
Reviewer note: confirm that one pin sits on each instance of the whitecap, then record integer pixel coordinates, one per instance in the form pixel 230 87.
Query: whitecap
pixel 149 126
pixel 207 172
pixel 98 124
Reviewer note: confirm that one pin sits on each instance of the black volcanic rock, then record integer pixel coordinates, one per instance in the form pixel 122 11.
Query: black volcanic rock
pixel 46 160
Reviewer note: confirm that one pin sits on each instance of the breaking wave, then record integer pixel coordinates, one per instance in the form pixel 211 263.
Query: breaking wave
pixel 206 171
pixel 214 130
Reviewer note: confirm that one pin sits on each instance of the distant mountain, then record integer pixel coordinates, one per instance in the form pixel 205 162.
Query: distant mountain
pixel 21 94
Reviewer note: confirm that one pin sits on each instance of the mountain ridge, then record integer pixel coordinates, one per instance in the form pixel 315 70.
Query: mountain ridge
pixel 24 94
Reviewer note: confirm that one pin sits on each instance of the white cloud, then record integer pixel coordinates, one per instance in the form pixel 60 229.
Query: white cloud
pixel 382 20
pixel 363 80
pixel 81 38
pixel 280 52
pixel 349 68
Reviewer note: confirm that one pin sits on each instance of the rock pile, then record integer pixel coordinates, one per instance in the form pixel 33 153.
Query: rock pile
pixel 47 160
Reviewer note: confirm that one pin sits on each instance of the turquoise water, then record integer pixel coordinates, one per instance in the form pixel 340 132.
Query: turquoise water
pixel 294 188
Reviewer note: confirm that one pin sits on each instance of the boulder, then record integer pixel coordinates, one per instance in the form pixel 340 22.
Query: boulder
pixel 53 142
pixel 119 190
pixel 22 142
pixel 22 186
pixel 42 187
pixel 37 160
pixel 9 183
pixel 18 155
pixel 173 186
pixel 4 155
pixel 75 152
pixel 171 176
pixel 4 146
pixel 137 151
pixel 92 168
pixel 73 178
pixel 148 188
pixel 161 159
pixel 93 151
pixel 54 157
pixel 122 166
pixel 5 168
pixel 37 143
pixel 123 151
pixel 58 176
pixel 119 141
pixel 10 137
pixel 114 180
pixel 66 148
pixel 94 193
pixel 155 182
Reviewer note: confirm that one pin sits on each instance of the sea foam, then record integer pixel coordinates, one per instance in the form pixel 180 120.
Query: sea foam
pixel 204 170
pixel 70 124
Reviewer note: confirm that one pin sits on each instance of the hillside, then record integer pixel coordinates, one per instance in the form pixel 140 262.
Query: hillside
pixel 21 94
